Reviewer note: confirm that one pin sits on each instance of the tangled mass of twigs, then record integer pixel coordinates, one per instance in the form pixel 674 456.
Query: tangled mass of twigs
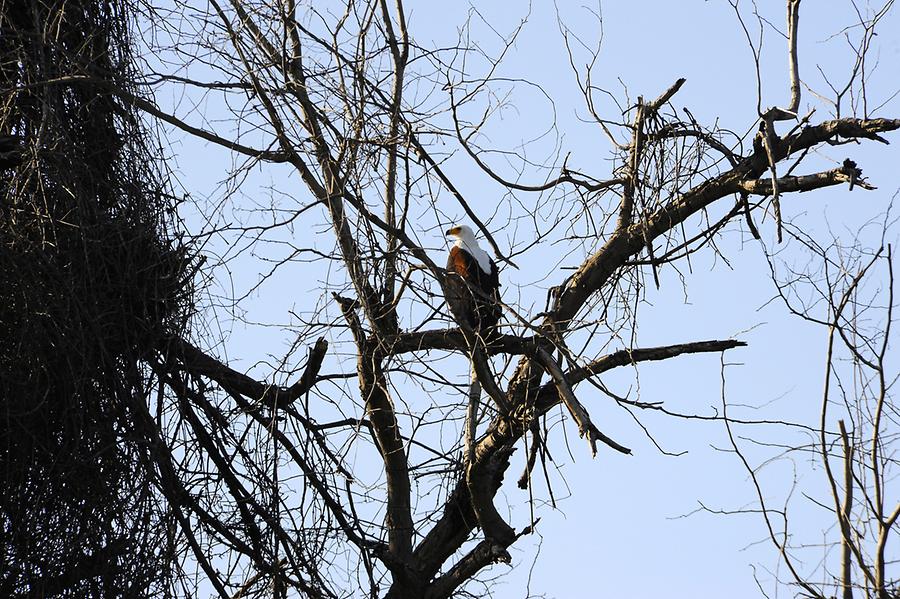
pixel 91 278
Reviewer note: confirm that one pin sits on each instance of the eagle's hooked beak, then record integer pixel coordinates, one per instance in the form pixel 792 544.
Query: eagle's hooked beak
pixel 451 231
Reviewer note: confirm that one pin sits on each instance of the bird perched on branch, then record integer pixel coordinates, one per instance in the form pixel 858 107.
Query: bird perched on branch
pixel 473 287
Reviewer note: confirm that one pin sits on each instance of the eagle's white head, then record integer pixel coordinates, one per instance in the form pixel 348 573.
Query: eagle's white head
pixel 465 239
pixel 463 233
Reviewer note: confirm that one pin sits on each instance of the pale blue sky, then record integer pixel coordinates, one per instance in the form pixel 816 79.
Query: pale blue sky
pixel 618 530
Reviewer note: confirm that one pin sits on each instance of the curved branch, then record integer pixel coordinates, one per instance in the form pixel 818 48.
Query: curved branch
pixel 586 428
pixel 386 431
pixel 793 20
pixel 199 363
pixel 564 177
pixel 485 553
pixel 625 242
pixel 625 357
pixel 845 174
pixel 153 110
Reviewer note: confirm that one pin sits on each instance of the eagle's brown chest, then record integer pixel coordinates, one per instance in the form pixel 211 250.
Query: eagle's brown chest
pixel 458 263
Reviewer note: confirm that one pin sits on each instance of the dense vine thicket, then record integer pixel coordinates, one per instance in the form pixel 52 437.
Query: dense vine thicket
pixel 92 277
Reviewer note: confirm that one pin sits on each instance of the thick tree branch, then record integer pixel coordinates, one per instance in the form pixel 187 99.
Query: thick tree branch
pixel 453 527
pixel 380 410
pixel 483 478
pixel 449 532
pixel 586 428
pixel 199 363
pixel 623 244
pixel 400 55
pixel 625 357
pixel 793 23
pixel 845 174
pixel 485 553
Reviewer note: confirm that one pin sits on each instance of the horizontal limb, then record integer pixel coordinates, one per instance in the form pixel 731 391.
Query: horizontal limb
pixel 197 362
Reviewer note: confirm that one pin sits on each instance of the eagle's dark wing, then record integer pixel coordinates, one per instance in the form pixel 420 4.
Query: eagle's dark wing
pixel 473 294
pixel 490 310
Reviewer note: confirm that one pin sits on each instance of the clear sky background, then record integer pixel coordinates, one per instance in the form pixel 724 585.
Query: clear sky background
pixel 625 526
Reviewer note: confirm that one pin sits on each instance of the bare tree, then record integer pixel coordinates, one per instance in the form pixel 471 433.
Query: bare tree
pixel 346 471
pixel 849 290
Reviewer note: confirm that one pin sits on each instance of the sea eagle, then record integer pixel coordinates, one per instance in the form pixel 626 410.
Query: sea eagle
pixel 473 287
